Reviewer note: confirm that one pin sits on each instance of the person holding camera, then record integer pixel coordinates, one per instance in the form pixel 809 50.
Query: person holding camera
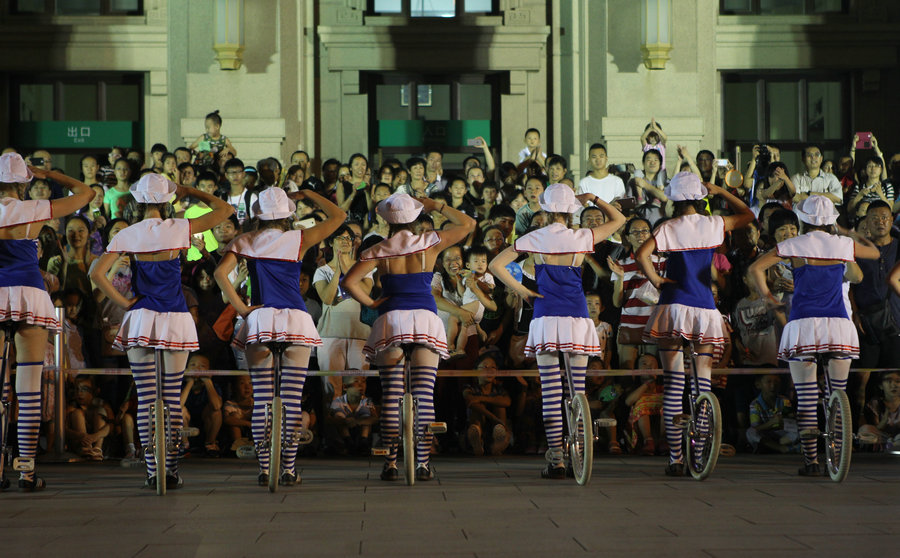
pixel 763 155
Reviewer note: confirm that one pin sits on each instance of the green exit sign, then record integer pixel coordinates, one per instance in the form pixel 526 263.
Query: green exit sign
pixel 74 133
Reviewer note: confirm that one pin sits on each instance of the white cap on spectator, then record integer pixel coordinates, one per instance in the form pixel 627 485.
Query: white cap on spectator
pixel 686 186
pixel 272 204
pixel 153 188
pixel 559 198
pixel 14 169
pixel 399 209
pixel 816 210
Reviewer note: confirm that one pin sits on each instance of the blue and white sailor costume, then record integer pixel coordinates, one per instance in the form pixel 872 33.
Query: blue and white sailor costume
pixel 686 308
pixel 560 321
pixel 409 315
pixel 273 261
pixel 818 321
pixel 23 297
pixel 160 318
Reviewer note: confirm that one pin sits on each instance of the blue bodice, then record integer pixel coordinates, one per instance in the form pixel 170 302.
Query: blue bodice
pixel 276 284
pixel 818 292
pixel 158 286
pixel 691 271
pixel 560 285
pixel 407 291
pixel 19 264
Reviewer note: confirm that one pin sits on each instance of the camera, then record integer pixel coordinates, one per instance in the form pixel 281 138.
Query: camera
pixel 37 161
pixel 763 159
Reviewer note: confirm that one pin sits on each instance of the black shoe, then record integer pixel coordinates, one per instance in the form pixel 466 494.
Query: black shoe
pixel 288 479
pixel 263 479
pixel 423 473
pixel 4 483
pixel 810 470
pixel 174 482
pixel 675 470
pixel 390 473
pixel 551 472
pixel 150 483
pixel 33 485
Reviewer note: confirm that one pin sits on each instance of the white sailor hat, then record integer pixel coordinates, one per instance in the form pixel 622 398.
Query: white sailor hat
pixel 399 208
pixel 14 169
pixel 559 198
pixel 817 210
pixel 686 186
pixel 272 204
pixel 153 188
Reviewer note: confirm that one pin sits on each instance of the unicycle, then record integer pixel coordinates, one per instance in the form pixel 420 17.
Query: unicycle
pixel 409 422
pixel 702 429
pixel 838 434
pixel 276 432
pixel 163 438
pixel 578 445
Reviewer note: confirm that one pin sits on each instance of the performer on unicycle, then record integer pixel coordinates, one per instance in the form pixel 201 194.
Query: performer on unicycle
pixel 818 321
pixel 686 310
pixel 276 313
pixel 560 322
pixel 407 315
pixel 23 297
pixel 157 318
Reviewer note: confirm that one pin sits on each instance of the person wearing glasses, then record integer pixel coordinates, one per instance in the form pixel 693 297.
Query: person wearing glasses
pixel 343 334
pixel 633 293
pixel 814 180
pixel 238 196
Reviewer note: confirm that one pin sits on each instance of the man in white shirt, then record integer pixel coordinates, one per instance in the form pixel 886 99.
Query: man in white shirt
pixel 599 181
pixel 815 180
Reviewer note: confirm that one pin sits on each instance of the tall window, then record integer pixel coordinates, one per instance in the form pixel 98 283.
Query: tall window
pixel 77 7
pixel 787 111
pixel 782 7
pixel 431 8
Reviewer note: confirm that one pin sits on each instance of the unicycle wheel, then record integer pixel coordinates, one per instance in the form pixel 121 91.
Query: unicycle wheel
pixel 838 435
pixel 704 437
pixel 581 439
pixel 275 432
pixel 160 444
pixel 409 438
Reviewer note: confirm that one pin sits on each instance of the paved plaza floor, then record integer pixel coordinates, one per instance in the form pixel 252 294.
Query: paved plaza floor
pixel 475 507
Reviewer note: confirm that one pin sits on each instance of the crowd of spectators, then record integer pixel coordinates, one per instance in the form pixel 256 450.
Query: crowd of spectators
pixel 487 325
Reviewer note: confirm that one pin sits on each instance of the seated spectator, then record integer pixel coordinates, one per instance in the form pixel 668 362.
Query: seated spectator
pixel 881 417
pixel 87 420
pixel 236 415
pixel 604 329
pixel 201 403
pixel 773 425
pixel 487 405
pixel 605 394
pixel 645 416
pixel 754 322
pixel 351 418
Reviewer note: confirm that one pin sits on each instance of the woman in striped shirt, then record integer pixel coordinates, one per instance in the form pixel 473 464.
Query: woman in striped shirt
pixel 628 284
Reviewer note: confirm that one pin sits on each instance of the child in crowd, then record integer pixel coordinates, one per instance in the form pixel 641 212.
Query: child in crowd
pixel 476 298
pixel 201 403
pixel 654 138
pixel 210 144
pixel 605 396
pixel 237 412
pixel 772 419
pixel 487 404
pixel 604 329
pixel 881 417
pixel 351 418
pixel 87 420
pixel 532 150
pixel 646 404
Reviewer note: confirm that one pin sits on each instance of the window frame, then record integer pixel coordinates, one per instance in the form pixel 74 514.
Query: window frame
pixel 808 9
pixel 50 9
pixel 406 10
pixel 763 127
